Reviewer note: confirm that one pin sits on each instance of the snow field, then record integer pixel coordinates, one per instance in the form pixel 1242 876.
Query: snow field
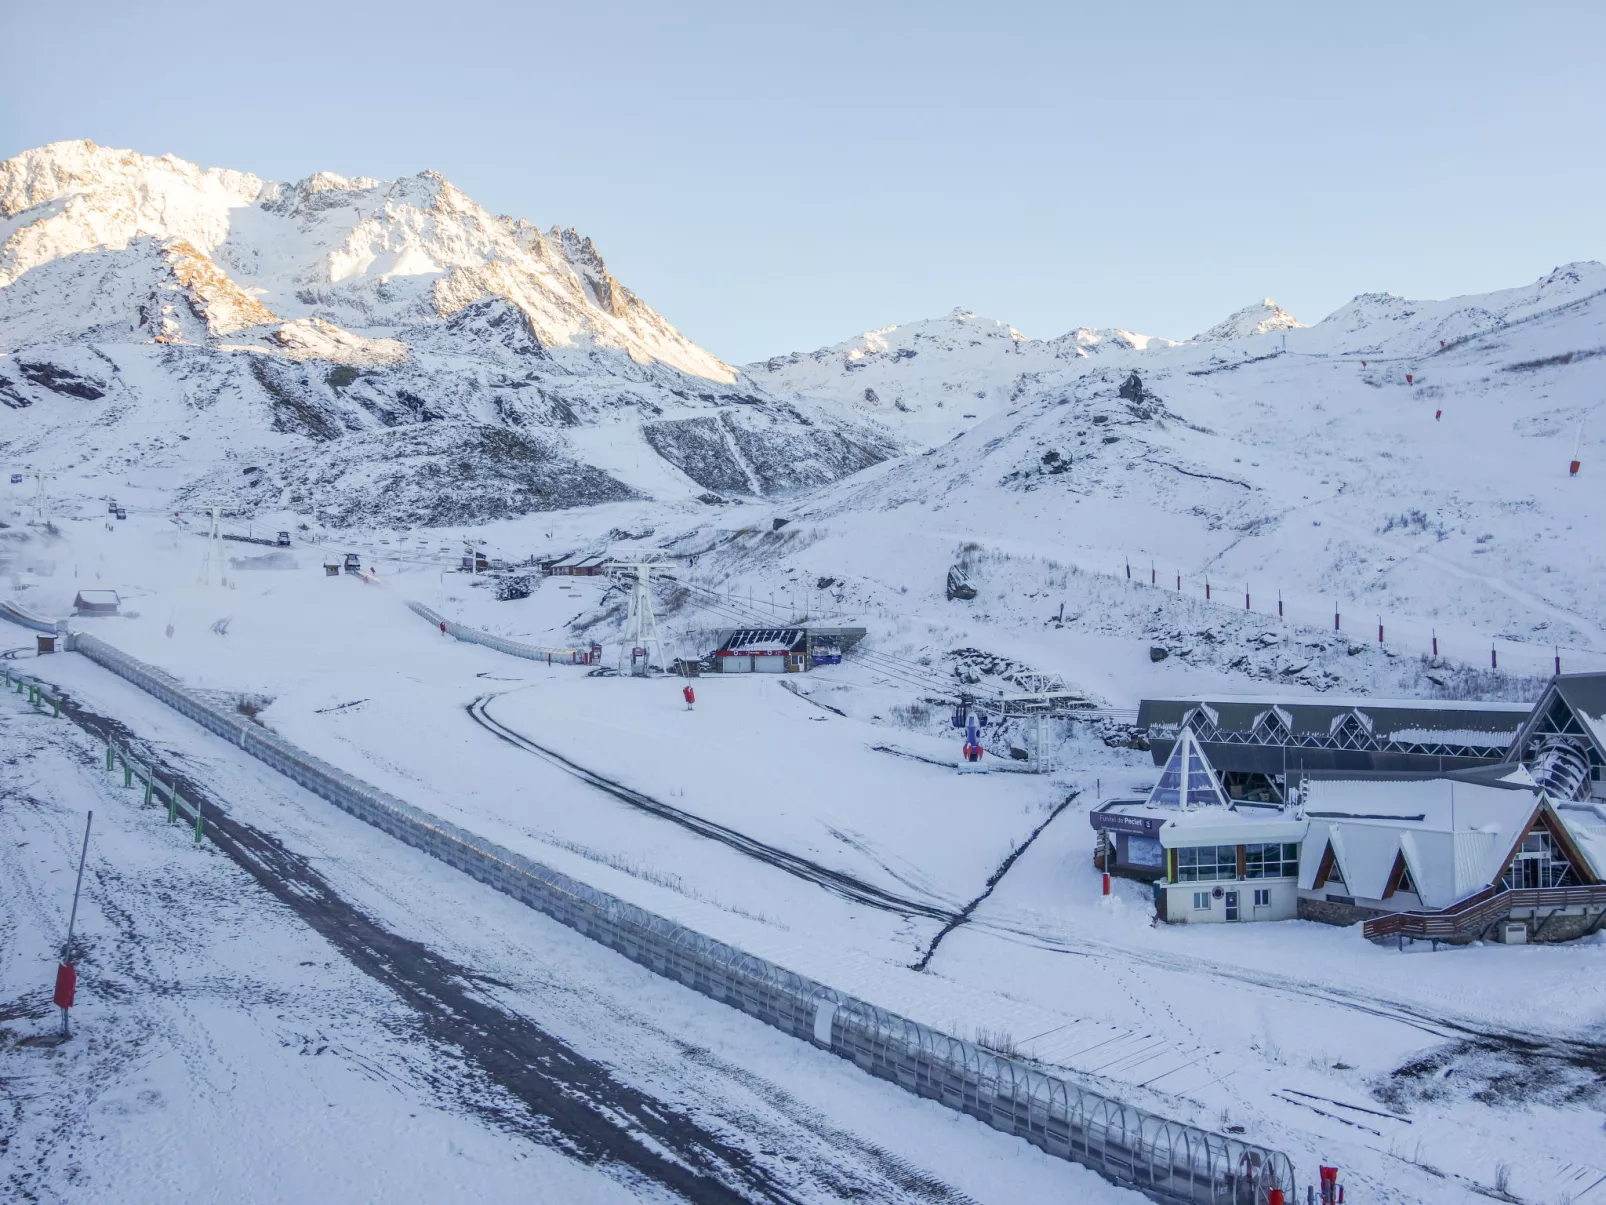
pixel 1202 1026
pixel 823 1126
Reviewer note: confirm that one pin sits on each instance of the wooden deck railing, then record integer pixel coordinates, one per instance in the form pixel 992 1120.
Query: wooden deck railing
pixel 1475 913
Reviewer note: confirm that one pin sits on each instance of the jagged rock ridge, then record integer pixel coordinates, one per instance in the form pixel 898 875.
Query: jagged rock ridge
pixel 235 313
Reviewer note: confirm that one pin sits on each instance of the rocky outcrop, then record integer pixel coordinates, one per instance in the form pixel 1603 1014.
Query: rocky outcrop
pixel 337 309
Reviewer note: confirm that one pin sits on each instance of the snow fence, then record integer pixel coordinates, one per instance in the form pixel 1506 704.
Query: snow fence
pixel 1166 1160
pixel 500 643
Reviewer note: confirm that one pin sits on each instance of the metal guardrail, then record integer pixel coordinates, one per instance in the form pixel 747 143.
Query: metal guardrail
pixel 39 693
pixel 531 652
pixel 1167 1160
pixel 1474 914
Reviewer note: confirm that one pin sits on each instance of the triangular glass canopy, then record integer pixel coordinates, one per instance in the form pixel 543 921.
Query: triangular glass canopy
pixel 1188 781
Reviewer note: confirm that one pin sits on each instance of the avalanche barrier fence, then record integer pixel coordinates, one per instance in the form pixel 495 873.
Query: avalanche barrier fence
pixel 1166 1160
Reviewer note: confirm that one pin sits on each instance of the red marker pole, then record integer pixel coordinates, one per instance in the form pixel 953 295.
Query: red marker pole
pixel 1279 604
pixel 1494 660
pixel 1335 617
pixel 67 973
pixel 1435 644
pixel 1380 629
pixel 1207 589
pixel 1129 571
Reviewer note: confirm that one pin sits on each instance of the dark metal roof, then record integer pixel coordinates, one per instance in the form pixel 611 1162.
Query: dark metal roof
pixel 1316 716
pixel 1583 692
pixel 1494 775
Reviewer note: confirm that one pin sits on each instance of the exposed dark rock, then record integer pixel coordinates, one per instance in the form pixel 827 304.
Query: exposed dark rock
pixel 698 448
pixel 63 380
pixel 418 475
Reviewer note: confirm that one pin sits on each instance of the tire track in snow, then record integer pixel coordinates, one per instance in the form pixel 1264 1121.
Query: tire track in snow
pixel 835 881
pixel 570 1102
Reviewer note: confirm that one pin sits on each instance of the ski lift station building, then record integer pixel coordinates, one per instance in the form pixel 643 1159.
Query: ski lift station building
pixel 781 650
pixel 1494 829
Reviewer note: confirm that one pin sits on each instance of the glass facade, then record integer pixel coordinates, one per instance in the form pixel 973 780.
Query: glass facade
pixel 1207 863
pixel 1186 781
pixel 1213 863
pixel 1271 861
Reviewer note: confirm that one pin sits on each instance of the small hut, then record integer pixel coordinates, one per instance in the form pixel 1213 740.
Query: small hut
pixel 96 602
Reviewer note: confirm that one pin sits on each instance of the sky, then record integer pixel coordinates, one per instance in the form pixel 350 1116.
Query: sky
pixel 776 178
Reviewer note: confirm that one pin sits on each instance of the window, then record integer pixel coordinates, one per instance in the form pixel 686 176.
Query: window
pixel 1206 863
pixel 1538 864
pixel 1263 897
pixel 1271 861
pixel 1272 730
pixel 1351 732
pixel 1187 780
pixel 1201 901
pixel 1399 877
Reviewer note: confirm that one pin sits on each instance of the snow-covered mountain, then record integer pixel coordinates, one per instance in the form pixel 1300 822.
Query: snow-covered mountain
pixel 388 345
pixel 931 379
pixel 1251 320
pixel 1367 469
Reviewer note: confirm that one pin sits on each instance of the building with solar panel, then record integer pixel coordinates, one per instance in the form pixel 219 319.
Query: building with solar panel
pixel 781 650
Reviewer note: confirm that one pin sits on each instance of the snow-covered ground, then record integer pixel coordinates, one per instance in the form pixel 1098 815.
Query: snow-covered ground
pixel 299 1009
pixel 1290 472
pixel 1292 1031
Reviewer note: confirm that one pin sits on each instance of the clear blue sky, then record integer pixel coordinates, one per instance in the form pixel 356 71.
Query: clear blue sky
pixel 780 177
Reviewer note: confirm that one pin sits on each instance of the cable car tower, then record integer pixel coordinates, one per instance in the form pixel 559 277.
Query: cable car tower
pixel 214 553
pixel 640 637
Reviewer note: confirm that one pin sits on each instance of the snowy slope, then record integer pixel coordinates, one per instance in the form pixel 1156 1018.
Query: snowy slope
pixel 1306 474
pixel 930 380
pixel 1251 320
pixel 317 326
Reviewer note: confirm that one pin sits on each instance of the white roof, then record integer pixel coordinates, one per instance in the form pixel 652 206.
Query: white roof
pixel 1484 737
pixel 1454 835
pixel 1588 831
pixel 1228 826
pixel 99 596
